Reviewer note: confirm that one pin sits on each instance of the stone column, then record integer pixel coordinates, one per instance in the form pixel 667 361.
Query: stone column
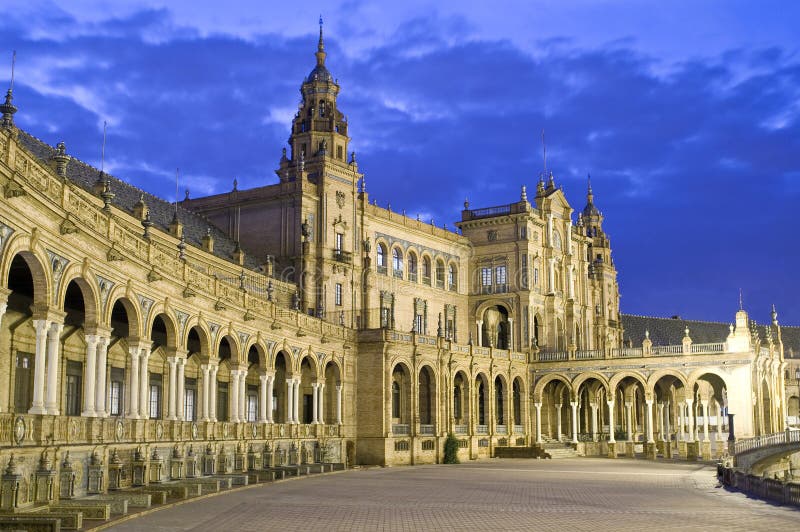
pixel 538 407
pixel 558 421
pixel 289 399
pixel 690 423
pixel 679 411
pixel 571 280
pixel 180 400
pixel 611 438
pixel 173 383
pixel 551 276
pixel 719 436
pixel 574 405
pixel 53 367
pixel 314 398
pixel 479 323
pixel 338 404
pixel 101 393
pixel 233 396
pixel 41 327
pixel 321 408
pixel 629 419
pixel 144 357
pixel 212 392
pixel 510 347
pixel 296 396
pixel 593 408
pixel 133 383
pixel 203 389
pixel 705 420
pixel 270 405
pixel 661 422
pixel 262 397
pixel 667 427
pixel 243 395
pixel 649 421
pixel 89 376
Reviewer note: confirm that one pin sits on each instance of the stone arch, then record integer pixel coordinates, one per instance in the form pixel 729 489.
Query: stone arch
pixel 332 375
pixel 452 275
pixel 196 339
pixel 39 274
pixel 170 329
pixel 460 396
pixel 88 289
pixel 122 317
pixel 482 398
pixel 547 379
pixel 255 343
pixel 583 377
pixel 400 390
pixel 398 261
pixel 233 350
pixel 653 379
pixel 308 369
pixel 282 366
pixel 426 267
pixel 382 254
pixel 518 403
pixel 619 377
pixel 427 398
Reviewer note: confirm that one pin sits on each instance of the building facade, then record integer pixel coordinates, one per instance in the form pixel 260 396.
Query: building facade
pixel 301 322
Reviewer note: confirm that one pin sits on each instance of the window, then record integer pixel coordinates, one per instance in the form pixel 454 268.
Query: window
pixel 486 277
pixel 412 266
pixel 381 258
pixel 457 402
pixel 189 404
pixel 426 270
pixel 116 387
pixel 536 277
pixel 252 406
pixel 500 275
pixel 322 108
pixel 339 241
pixel 395 400
pixel 155 401
pixel 338 295
pixel 451 278
pixel 222 401
pixel 23 381
pixel 418 324
pixel 439 274
pixel 73 388
pixel 385 317
pixel 556 239
pixel 524 271
pixel 397 262
pixel 339 153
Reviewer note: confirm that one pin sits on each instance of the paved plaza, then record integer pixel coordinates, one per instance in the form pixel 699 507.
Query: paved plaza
pixel 575 494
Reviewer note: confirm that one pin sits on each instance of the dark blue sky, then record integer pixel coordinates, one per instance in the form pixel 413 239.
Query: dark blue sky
pixel 686 115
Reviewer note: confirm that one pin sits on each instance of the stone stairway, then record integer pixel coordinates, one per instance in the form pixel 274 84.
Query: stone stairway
pixel 557 449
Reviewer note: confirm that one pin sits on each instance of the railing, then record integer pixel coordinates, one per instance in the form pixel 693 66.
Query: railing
pixel 382 269
pixel 519 429
pixel 398 274
pixel 460 429
pixel 412 276
pixel 501 429
pixel 717 347
pixel 552 356
pixel 490 211
pixel 666 350
pixel 342 256
pixel 481 429
pixel 427 429
pixel 400 429
pixel 767 440
pixel 627 352
pixel 592 354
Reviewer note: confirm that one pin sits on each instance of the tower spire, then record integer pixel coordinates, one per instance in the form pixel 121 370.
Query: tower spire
pixel 8 109
pixel 589 194
pixel 320 46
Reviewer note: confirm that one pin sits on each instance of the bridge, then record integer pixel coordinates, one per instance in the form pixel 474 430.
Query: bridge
pixel 759 467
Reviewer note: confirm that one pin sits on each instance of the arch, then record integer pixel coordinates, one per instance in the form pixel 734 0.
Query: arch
pixel 132 309
pixel 412 265
pixel 696 374
pixel 167 335
pixel 619 377
pixel 333 379
pixel 439 272
pixel 547 379
pixel 452 276
pixel 381 256
pixel 312 362
pixel 230 351
pixel 500 399
pixel 579 380
pixel 282 366
pixel 461 391
pixel 482 395
pixel 517 402
pixel 88 290
pixel 308 370
pixel 39 276
pixel 197 339
pixel 255 344
pixel 652 381
pixel 427 273
pixel 400 412
pixel 397 262
pixel 538 333
pixel 427 397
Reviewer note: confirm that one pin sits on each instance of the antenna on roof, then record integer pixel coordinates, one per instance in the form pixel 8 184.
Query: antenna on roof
pixel 13 63
pixel 177 170
pixel 103 151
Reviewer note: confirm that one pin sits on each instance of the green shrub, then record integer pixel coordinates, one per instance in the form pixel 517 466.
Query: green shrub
pixel 451 449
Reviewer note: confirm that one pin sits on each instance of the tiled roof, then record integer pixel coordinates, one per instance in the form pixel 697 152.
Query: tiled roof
pixel 127 195
pixel 669 331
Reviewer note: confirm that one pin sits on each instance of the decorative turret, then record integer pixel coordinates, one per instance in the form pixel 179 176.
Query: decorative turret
pixel 8 109
pixel 592 216
pixel 61 159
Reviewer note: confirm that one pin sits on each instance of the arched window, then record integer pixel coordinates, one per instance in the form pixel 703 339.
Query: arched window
pixel 440 273
pixel 381 258
pixel 556 239
pixel 426 270
pixel 452 278
pixel 397 262
pixel 322 108
pixel 396 400
pixel 412 266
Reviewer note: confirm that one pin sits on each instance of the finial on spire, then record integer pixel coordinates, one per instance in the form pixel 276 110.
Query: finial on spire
pixel 8 109
pixel 589 194
pixel 320 46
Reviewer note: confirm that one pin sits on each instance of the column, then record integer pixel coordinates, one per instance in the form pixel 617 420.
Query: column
pixel 321 408
pixel 242 395
pixel 133 383
pixel 690 418
pixel 100 402
pixel 144 384
pixel 51 388
pixel 538 407
pixel 551 276
pixel 270 405
pixel 296 396
pixel 719 436
pixel 611 438
pixel 314 398
pixel 558 421
pixel 574 405
pixel 41 327
pixel 593 407
pixel 173 383
pixel 667 427
pixel 479 323
pixel 571 280
pixel 661 427
pixel 212 392
pixel 233 396
pixel 649 421
pixel 510 345
pixel 705 420
pixel 262 398
pixel 89 378
pixel 629 419
pixel 204 393
pixel 180 400
pixel 338 404
pixel 289 399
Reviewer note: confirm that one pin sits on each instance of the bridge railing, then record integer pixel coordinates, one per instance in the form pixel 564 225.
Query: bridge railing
pixel 766 440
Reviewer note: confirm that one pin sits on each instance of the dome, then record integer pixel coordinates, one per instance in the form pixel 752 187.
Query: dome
pixel 590 210
pixel 320 73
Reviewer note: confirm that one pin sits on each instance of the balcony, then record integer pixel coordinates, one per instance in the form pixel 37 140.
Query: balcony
pixel 501 429
pixel 481 429
pixel 460 429
pixel 399 429
pixel 382 269
pixel 412 276
pixel 342 256
pixel 428 430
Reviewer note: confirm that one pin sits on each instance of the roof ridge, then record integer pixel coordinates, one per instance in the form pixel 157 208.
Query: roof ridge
pixel 674 319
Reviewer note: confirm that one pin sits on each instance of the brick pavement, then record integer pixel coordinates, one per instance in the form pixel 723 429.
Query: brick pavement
pixel 580 494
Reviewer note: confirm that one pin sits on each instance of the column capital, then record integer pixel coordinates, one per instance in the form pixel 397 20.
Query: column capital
pixel 267 374
pixel 43 312
pixel 610 402
pixel 689 401
pixel 648 401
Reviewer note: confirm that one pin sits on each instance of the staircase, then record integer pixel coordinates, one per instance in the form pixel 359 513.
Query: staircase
pixel 557 449
pixel 548 449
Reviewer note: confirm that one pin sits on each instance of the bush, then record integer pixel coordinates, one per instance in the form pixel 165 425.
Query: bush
pixel 451 449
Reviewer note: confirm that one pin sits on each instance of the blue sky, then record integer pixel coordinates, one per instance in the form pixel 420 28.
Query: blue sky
pixel 686 114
